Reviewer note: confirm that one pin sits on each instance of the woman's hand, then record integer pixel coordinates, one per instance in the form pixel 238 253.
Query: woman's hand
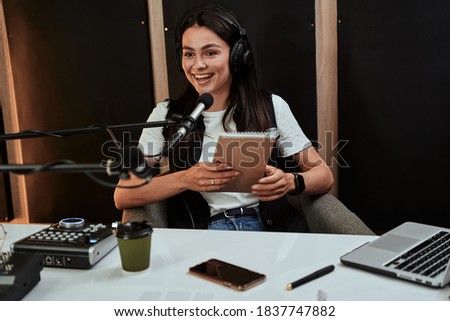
pixel 276 184
pixel 208 177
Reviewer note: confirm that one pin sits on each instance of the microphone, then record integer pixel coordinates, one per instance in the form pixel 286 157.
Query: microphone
pixel 204 102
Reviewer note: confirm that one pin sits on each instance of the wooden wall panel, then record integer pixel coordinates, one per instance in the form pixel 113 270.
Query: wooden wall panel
pixel 327 84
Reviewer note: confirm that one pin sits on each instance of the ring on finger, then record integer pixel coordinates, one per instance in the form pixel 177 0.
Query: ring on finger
pixel 212 181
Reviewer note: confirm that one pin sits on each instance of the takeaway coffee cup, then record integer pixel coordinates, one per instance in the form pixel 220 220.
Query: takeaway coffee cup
pixel 134 240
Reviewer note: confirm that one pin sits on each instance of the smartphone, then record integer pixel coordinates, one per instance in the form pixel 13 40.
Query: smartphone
pixel 227 274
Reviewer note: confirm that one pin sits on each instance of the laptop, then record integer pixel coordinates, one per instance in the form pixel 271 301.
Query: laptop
pixel 412 251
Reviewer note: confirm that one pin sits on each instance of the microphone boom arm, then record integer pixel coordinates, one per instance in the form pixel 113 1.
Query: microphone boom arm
pixel 185 126
pixel 33 133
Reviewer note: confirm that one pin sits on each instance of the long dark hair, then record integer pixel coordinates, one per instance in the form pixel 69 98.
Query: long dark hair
pixel 248 102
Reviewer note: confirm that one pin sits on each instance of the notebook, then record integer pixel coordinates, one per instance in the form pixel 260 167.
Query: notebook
pixel 247 152
pixel 412 251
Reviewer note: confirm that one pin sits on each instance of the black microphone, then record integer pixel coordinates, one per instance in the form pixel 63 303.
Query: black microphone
pixel 204 102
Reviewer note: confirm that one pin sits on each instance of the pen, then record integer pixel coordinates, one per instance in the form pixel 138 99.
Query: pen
pixel 310 277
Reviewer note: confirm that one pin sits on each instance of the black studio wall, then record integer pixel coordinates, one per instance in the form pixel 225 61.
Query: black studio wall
pixel 394 74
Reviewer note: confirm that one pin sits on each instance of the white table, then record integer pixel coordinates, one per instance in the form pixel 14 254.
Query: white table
pixel 283 257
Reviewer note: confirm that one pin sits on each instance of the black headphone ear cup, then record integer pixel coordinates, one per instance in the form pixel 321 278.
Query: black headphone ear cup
pixel 236 56
pixel 247 59
pixel 240 56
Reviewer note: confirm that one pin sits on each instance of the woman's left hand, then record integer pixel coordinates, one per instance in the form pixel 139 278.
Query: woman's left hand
pixel 273 186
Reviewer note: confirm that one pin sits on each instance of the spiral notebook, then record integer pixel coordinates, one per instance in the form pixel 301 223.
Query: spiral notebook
pixel 247 152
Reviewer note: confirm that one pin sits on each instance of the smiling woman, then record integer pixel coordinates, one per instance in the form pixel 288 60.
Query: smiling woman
pixel 216 57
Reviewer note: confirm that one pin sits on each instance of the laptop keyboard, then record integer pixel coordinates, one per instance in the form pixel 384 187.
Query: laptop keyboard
pixel 429 258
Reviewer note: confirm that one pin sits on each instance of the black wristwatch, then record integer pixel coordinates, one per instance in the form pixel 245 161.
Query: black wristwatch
pixel 299 184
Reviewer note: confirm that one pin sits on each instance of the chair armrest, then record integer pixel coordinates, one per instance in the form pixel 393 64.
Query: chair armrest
pixel 326 214
pixel 154 213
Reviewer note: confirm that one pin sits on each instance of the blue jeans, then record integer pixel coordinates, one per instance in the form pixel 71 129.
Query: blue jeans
pixel 238 223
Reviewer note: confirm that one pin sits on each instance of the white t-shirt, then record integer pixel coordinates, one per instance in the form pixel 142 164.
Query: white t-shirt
pixel 291 140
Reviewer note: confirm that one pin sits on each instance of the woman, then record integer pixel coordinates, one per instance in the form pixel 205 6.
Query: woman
pixel 213 52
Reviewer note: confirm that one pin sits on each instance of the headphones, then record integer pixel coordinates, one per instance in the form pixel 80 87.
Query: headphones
pixel 241 56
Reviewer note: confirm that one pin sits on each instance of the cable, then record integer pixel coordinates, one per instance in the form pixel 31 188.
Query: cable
pixel 110 132
pixel 69 133
pixel 40 132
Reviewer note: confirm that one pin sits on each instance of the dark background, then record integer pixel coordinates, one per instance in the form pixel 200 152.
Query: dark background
pixel 90 64
pixel 394 74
